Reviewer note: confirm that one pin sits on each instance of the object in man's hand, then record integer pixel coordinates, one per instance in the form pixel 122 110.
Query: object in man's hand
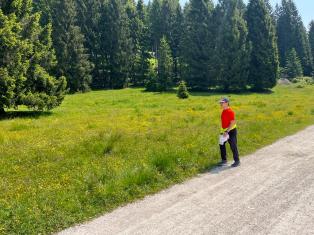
pixel 223 139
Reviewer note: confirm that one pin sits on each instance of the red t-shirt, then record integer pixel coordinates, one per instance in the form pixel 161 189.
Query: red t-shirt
pixel 226 117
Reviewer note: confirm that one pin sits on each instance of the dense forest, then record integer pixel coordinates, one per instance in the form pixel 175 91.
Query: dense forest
pixel 51 47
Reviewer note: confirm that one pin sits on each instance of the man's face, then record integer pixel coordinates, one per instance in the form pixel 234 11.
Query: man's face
pixel 224 105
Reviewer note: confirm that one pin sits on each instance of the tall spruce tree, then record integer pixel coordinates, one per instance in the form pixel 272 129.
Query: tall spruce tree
pixel 165 65
pixel 88 17
pixel 292 34
pixel 134 24
pixel 311 39
pixel 264 63
pixel 155 24
pixel 73 60
pixel 232 48
pixel 116 44
pixel 139 35
pixel 27 59
pixel 175 40
pixel 167 20
pixel 197 46
pixel 141 68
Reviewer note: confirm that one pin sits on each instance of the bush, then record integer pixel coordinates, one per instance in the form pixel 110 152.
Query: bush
pixel 183 91
pixel 304 80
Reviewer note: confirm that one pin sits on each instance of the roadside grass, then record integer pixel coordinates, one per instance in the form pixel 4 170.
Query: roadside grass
pixel 103 149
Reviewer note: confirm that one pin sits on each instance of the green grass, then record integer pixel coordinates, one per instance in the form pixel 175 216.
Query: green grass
pixel 103 149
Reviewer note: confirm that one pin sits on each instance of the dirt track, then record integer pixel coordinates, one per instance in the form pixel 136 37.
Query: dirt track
pixel 271 193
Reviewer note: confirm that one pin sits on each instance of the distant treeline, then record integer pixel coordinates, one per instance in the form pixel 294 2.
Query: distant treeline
pixel 46 45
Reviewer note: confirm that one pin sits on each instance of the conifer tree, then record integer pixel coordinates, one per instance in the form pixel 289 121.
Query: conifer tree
pixel 183 91
pixel 73 60
pixel 88 17
pixel 27 59
pixel 175 40
pixel 116 44
pixel 139 35
pixel 197 45
pixel 292 34
pixel 155 25
pixel 293 67
pixel 165 63
pixel 232 48
pixel 311 39
pixel 264 63
pixel 143 55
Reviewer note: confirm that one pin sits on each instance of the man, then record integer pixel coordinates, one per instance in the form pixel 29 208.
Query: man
pixel 229 127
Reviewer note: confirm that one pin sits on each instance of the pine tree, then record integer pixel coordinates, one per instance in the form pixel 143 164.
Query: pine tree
pixel 139 35
pixel 165 63
pixel 116 44
pixel 292 34
pixel 155 24
pixel 13 60
pixel 142 66
pixel 232 48
pixel 197 45
pixel 167 20
pixel 73 60
pixel 311 39
pixel 264 64
pixel 88 17
pixel 293 67
pixel 27 59
pixel 175 40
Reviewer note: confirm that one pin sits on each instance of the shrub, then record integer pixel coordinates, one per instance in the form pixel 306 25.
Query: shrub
pixel 183 91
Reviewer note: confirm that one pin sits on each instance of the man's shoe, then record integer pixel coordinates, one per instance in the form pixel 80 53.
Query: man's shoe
pixel 222 163
pixel 236 164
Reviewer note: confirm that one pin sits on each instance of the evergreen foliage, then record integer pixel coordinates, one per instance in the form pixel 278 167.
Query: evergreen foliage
pixel 113 44
pixel 293 67
pixel 233 48
pixel 27 59
pixel 183 91
pixel 197 44
pixel 73 60
pixel 292 34
pixel 264 63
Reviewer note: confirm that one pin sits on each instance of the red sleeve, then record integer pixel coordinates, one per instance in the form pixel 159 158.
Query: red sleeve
pixel 231 116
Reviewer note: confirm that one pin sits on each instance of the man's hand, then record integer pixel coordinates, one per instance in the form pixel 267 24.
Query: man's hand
pixel 225 134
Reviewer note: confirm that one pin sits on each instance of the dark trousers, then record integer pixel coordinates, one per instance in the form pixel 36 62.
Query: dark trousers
pixel 233 145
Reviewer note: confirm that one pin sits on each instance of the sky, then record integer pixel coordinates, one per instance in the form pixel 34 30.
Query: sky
pixel 306 9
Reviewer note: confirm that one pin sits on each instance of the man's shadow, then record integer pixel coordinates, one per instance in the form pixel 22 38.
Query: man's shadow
pixel 218 169
pixel 215 169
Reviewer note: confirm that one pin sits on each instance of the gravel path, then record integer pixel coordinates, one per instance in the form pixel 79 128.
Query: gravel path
pixel 271 193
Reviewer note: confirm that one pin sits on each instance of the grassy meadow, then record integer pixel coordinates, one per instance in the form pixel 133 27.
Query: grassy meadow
pixel 102 149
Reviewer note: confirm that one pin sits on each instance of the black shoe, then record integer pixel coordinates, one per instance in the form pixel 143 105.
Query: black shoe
pixel 236 164
pixel 222 163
